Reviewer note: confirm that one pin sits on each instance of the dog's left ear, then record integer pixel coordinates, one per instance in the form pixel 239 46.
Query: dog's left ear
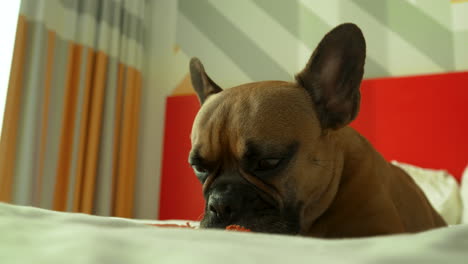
pixel 333 75
pixel 201 82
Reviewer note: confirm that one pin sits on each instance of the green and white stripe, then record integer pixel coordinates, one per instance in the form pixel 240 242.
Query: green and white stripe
pixel 265 39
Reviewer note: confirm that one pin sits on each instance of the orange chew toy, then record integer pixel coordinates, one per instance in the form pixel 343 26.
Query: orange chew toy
pixel 187 225
pixel 237 228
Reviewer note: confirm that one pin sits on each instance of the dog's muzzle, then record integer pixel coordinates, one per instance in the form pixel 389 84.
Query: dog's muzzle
pixel 228 203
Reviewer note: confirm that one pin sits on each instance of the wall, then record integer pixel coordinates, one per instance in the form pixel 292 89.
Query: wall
pixel 246 40
pixel 158 82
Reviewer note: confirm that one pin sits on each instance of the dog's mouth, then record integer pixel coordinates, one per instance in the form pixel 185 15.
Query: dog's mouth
pixel 247 206
pixel 265 221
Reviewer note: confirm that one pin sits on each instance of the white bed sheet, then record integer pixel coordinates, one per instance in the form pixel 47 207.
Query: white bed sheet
pixel 464 196
pixel 440 188
pixel 32 235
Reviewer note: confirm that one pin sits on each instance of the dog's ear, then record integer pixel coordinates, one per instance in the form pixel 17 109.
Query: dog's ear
pixel 201 82
pixel 333 75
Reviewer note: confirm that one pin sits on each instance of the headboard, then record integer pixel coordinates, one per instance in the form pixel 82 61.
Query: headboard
pixel 420 120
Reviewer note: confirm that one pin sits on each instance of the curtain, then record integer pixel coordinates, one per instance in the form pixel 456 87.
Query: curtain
pixel 70 126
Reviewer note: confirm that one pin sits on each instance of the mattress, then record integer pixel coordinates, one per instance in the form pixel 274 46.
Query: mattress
pixel 32 235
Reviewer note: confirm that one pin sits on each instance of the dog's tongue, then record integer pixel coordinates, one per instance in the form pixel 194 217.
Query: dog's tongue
pixel 237 228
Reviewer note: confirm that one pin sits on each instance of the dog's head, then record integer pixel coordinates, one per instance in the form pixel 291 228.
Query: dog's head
pixel 264 151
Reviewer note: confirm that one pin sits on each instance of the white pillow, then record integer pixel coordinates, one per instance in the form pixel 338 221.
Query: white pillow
pixel 464 195
pixel 441 190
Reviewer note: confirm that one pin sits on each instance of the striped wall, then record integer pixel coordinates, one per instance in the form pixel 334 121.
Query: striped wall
pixel 246 40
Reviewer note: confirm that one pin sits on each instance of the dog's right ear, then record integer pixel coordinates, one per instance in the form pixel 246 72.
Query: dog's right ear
pixel 333 75
pixel 201 82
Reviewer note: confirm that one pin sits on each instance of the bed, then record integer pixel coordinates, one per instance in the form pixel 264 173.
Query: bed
pixel 32 235
pixel 427 108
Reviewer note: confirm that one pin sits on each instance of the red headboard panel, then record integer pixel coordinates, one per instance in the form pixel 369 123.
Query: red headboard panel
pixel 421 120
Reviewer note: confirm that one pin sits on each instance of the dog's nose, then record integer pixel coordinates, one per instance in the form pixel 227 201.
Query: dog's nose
pixel 225 206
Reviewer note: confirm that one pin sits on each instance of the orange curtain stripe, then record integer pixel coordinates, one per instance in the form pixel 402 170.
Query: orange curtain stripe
pixel 95 123
pixel 134 137
pixel 126 173
pixel 132 141
pixel 12 112
pixel 116 141
pixel 83 133
pixel 45 113
pixel 123 183
pixel 66 140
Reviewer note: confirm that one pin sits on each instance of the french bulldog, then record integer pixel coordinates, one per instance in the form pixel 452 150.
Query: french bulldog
pixel 279 157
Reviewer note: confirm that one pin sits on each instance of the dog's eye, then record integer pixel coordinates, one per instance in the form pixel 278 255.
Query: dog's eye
pixel 267 164
pixel 199 169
